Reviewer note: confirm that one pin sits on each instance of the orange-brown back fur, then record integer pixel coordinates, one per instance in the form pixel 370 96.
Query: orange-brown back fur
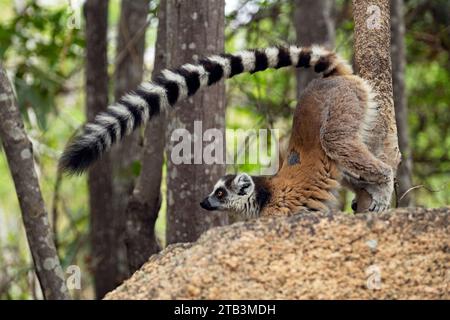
pixel 309 182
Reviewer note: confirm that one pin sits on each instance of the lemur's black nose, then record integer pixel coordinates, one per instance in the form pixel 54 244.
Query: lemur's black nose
pixel 206 205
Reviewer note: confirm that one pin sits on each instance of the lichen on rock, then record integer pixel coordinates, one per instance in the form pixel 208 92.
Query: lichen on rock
pixel 400 254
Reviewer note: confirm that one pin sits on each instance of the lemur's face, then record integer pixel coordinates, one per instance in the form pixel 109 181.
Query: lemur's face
pixel 230 193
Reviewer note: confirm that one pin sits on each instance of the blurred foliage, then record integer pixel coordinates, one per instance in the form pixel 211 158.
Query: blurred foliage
pixel 428 83
pixel 42 47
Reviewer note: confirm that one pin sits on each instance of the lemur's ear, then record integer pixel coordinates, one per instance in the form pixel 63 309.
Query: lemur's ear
pixel 243 184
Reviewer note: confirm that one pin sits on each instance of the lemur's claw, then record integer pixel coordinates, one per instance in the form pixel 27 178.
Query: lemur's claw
pixel 376 206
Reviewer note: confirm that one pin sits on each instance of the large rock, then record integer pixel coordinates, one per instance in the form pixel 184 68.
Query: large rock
pixel 401 254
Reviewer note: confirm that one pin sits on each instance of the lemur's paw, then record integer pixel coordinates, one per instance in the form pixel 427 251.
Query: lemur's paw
pixel 381 196
pixel 375 206
pixel 378 206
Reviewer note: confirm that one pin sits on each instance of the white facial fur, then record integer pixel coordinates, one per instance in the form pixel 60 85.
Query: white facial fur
pixel 240 196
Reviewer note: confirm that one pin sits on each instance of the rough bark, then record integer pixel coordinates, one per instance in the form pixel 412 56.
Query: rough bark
pixel 103 237
pixel 128 75
pixel 400 101
pixel 19 153
pixel 399 254
pixel 314 24
pixel 198 27
pixel 145 201
pixel 373 63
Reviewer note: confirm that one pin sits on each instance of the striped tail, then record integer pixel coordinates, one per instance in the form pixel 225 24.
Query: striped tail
pixel 171 86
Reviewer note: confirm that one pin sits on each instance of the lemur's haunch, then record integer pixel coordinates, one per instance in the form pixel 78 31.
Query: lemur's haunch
pixel 334 117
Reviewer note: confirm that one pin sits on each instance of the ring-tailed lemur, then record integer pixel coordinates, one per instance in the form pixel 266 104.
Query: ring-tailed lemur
pixel 334 117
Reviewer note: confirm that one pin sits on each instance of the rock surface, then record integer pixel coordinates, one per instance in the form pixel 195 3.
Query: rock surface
pixel 400 254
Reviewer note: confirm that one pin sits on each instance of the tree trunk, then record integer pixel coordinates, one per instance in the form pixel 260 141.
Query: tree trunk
pixel 373 61
pixel 19 152
pixel 314 24
pixel 198 28
pixel 128 75
pixel 145 201
pixel 103 238
pixel 400 101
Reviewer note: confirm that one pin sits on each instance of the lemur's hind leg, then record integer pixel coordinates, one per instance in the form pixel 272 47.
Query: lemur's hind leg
pixel 341 138
pixel 356 160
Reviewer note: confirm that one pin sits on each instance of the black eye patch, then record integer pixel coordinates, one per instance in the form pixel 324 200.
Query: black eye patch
pixel 220 193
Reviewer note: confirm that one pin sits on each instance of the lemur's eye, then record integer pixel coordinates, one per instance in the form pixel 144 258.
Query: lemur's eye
pixel 220 193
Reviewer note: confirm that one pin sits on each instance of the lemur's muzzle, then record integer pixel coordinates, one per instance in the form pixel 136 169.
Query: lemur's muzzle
pixel 205 204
